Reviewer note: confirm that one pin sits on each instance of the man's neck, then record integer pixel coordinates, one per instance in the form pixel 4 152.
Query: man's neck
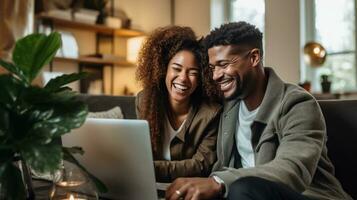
pixel 255 98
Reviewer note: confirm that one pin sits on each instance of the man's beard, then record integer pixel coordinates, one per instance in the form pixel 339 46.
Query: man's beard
pixel 242 87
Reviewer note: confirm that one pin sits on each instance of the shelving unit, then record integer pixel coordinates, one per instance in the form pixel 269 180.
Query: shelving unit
pixel 101 31
pixel 92 60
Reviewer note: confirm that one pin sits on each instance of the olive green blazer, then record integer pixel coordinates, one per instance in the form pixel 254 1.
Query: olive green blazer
pixel 193 150
pixel 289 142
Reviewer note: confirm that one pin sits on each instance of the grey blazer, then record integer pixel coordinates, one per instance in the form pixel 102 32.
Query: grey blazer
pixel 289 142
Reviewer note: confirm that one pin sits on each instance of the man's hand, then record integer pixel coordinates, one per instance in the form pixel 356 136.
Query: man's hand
pixel 193 189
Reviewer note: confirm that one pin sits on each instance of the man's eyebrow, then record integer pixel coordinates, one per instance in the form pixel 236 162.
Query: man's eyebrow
pixel 220 61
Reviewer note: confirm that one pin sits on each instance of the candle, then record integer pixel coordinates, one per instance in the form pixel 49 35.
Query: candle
pixel 72 197
pixel 70 183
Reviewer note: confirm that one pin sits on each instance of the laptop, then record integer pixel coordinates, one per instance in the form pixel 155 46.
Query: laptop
pixel 118 152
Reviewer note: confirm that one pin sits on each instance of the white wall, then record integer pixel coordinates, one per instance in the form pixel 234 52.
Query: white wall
pixel 282 38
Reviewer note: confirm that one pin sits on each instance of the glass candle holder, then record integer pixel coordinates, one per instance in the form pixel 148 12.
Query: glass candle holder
pixel 74 184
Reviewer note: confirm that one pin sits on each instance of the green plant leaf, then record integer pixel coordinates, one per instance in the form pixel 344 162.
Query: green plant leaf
pixel 4 124
pixel 58 82
pixel 10 88
pixel 42 158
pixel 11 182
pixel 70 158
pixel 14 69
pixel 34 51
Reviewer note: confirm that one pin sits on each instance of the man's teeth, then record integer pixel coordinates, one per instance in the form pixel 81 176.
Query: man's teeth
pixel 224 84
pixel 181 87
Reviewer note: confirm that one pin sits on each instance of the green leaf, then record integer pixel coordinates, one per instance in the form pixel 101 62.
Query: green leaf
pixel 70 158
pixel 42 158
pixel 11 182
pixel 10 88
pixel 4 124
pixel 43 132
pixel 6 154
pixel 13 69
pixel 58 82
pixel 34 51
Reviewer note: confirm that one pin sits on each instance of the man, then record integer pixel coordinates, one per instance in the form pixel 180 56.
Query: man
pixel 272 138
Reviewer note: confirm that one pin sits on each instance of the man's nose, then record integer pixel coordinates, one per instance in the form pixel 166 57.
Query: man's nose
pixel 217 74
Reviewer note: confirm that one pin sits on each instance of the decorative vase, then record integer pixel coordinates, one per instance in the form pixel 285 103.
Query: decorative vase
pixel 101 17
pixel 74 184
pixel 325 84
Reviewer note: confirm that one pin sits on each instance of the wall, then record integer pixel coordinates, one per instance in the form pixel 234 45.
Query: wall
pixel 146 15
pixel 282 38
pixel 193 13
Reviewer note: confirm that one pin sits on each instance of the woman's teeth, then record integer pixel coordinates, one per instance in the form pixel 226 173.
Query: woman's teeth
pixel 180 87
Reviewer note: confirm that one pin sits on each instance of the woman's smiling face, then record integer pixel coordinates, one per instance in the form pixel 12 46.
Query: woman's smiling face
pixel 182 76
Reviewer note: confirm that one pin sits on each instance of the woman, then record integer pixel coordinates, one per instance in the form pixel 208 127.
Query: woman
pixel 177 101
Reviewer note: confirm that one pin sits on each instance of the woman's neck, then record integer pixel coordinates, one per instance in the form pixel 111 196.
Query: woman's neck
pixel 177 113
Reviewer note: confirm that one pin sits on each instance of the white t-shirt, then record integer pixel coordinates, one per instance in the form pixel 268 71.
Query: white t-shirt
pixel 169 134
pixel 244 135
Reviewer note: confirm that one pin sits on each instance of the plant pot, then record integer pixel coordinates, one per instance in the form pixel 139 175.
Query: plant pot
pixel 27 180
pixel 326 86
pixel 16 182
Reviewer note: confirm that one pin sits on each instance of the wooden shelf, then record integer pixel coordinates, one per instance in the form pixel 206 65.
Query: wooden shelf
pixel 46 19
pixel 93 60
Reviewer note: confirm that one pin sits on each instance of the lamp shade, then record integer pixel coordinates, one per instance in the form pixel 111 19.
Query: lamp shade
pixel 314 54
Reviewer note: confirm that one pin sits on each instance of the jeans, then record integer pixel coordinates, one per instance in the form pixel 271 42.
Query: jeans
pixel 255 188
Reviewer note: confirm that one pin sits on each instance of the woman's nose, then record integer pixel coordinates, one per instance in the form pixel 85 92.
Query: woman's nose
pixel 183 76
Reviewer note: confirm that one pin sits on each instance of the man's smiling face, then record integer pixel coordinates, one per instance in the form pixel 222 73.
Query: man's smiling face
pixel 231 70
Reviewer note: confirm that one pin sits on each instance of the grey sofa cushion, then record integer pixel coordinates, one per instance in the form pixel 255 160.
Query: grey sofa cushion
pixel 99 103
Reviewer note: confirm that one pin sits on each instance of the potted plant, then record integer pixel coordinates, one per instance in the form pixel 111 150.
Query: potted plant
pixel 33 118
pixel 325 83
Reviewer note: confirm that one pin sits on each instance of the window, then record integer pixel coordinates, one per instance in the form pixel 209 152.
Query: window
pixel 251 11
pixel 334 27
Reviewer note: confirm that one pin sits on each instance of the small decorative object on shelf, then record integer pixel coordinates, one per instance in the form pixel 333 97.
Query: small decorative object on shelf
pixel 325 83
pixel 33 119
pixel 98 5
pixel 306 85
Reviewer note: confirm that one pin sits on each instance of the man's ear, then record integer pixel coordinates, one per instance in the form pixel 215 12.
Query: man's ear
pixel 255 57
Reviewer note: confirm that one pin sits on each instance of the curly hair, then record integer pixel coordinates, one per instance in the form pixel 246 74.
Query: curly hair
pixel 154 57
pixel 236 33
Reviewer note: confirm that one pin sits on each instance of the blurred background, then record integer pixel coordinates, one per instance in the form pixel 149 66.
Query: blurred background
pixel 104 36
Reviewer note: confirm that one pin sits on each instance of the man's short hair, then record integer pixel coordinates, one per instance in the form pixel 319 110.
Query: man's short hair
pixel 235 33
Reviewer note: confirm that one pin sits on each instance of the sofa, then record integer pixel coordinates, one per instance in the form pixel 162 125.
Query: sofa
pixel 341 122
